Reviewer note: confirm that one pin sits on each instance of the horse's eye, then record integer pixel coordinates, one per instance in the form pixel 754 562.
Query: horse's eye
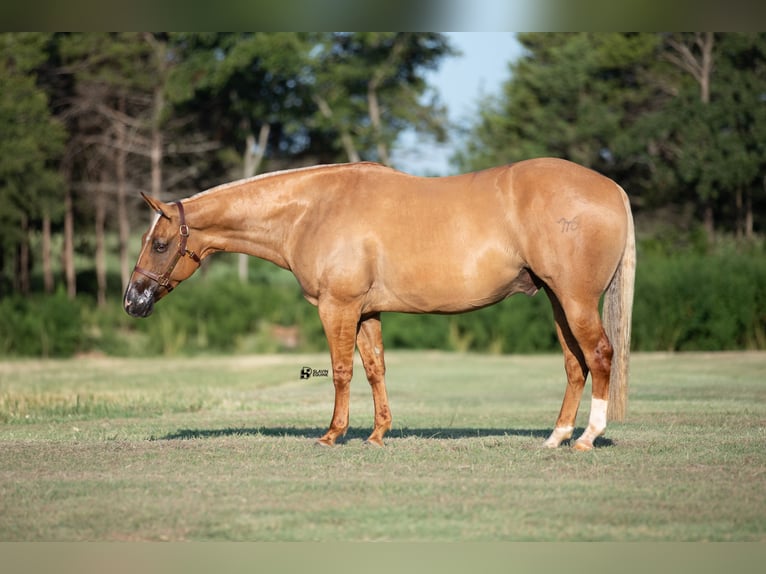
pixel 159 246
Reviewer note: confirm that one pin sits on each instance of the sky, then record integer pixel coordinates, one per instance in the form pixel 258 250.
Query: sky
pixel 460 81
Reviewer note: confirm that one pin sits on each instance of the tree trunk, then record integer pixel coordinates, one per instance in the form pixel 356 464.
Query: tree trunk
pixel 156 150
pixel 158 107
pixel 709 223
pixel 701 69
pixel 254 154
pixel 345 136
pixel 705 42
pixel 100 228
pixel 23 257
pixel 374 111
pixel 68 252
pixel 386 69
pixel 749 232
pixel 122 209
pixel 46 254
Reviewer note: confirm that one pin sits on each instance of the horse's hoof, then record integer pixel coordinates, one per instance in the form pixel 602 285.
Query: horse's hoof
pixel 559 435
pixel 324 442
pixel 583 446
pixel 554 442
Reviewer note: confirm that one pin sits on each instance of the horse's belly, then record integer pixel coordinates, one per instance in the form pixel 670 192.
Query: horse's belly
pixel 439 287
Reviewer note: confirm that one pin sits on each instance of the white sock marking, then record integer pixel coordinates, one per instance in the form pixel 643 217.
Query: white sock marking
pixel 598 415
pixel 596 424
pixel 558 435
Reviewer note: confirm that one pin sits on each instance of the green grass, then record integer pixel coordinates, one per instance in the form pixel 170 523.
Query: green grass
pixel 221 448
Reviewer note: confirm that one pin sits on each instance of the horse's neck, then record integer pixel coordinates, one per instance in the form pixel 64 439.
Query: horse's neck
pixel 243 219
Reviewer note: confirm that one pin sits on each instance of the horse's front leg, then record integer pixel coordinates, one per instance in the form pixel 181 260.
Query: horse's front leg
pixel 369 341
pixel 340 325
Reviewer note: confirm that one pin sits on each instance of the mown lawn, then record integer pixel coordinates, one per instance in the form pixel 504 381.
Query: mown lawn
pixel 222 448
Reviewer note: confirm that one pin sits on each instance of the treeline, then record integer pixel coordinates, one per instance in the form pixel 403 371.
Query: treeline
pixel 679 120
pixel 90 119
pixel 683 303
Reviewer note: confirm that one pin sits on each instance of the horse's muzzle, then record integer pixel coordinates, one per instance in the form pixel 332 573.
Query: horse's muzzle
pixel 139 299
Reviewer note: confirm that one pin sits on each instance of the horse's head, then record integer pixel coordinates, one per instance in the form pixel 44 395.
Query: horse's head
pixel 167 258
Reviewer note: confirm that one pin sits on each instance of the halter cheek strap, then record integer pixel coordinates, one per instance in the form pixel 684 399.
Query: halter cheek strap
pixel 183 231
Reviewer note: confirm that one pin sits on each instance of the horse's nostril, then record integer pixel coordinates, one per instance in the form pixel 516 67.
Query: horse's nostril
pixel 139 301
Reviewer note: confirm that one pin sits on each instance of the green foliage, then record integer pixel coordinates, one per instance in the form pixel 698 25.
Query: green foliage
pixel 683 302
pixel 567 97
pixel 621 103
pixel 630 106
pixel 694 302
pixel 31 140
pixel 40 326
pixel 173 112
pixel 224 315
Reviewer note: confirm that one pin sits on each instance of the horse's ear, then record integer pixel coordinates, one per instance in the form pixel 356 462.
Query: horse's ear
pixel 156 205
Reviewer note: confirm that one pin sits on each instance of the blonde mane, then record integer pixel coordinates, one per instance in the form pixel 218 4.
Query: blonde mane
pixel 261 176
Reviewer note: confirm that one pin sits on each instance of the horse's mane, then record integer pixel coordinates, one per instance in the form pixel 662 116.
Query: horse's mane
pixel 271 174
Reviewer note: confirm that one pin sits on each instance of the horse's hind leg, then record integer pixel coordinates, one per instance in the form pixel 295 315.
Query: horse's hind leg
pixel 576 370
pixel 598 354
pixel 586 349
pixel 369 341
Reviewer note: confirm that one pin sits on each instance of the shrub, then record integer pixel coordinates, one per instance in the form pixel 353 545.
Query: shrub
pixel 697 302
pixel 40 326
pixel 682 303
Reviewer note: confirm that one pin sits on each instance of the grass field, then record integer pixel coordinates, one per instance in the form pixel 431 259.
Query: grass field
pixel 221 448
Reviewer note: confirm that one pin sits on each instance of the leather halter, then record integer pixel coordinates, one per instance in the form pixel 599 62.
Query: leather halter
pixel 183 232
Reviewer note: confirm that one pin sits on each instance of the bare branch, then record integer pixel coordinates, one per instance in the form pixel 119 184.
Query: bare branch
pixel 345 136
pixel 700 67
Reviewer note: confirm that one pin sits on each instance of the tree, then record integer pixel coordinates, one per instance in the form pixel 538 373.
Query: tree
pixel 175 113
pixel 724 159
pixel 570 95
pixel 103 110
pixel 676 119
pixel 32 140
pixel 742 91
pixel 248 88
pixel 118 111
pixel 306 98
pixel 369 86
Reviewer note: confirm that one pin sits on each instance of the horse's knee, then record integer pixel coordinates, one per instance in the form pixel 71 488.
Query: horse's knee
pixel 375 373
pixel 341 374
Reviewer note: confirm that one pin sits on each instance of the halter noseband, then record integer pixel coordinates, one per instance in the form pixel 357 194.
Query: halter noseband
pixel 183 231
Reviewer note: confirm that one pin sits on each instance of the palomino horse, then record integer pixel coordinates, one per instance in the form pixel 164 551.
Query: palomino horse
pixel 362 239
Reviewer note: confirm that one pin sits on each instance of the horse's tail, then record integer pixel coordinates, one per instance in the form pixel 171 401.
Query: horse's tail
pixel 618 311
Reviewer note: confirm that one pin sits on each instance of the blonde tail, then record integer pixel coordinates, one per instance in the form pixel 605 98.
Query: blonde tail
pixel 618 311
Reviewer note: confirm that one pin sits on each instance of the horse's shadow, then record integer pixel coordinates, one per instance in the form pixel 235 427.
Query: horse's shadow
pixel 362 434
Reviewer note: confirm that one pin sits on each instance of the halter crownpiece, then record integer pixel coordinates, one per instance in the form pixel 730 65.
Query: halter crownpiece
pixel 163 280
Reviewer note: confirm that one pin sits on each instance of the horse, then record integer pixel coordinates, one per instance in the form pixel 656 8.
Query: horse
pixel 364 239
